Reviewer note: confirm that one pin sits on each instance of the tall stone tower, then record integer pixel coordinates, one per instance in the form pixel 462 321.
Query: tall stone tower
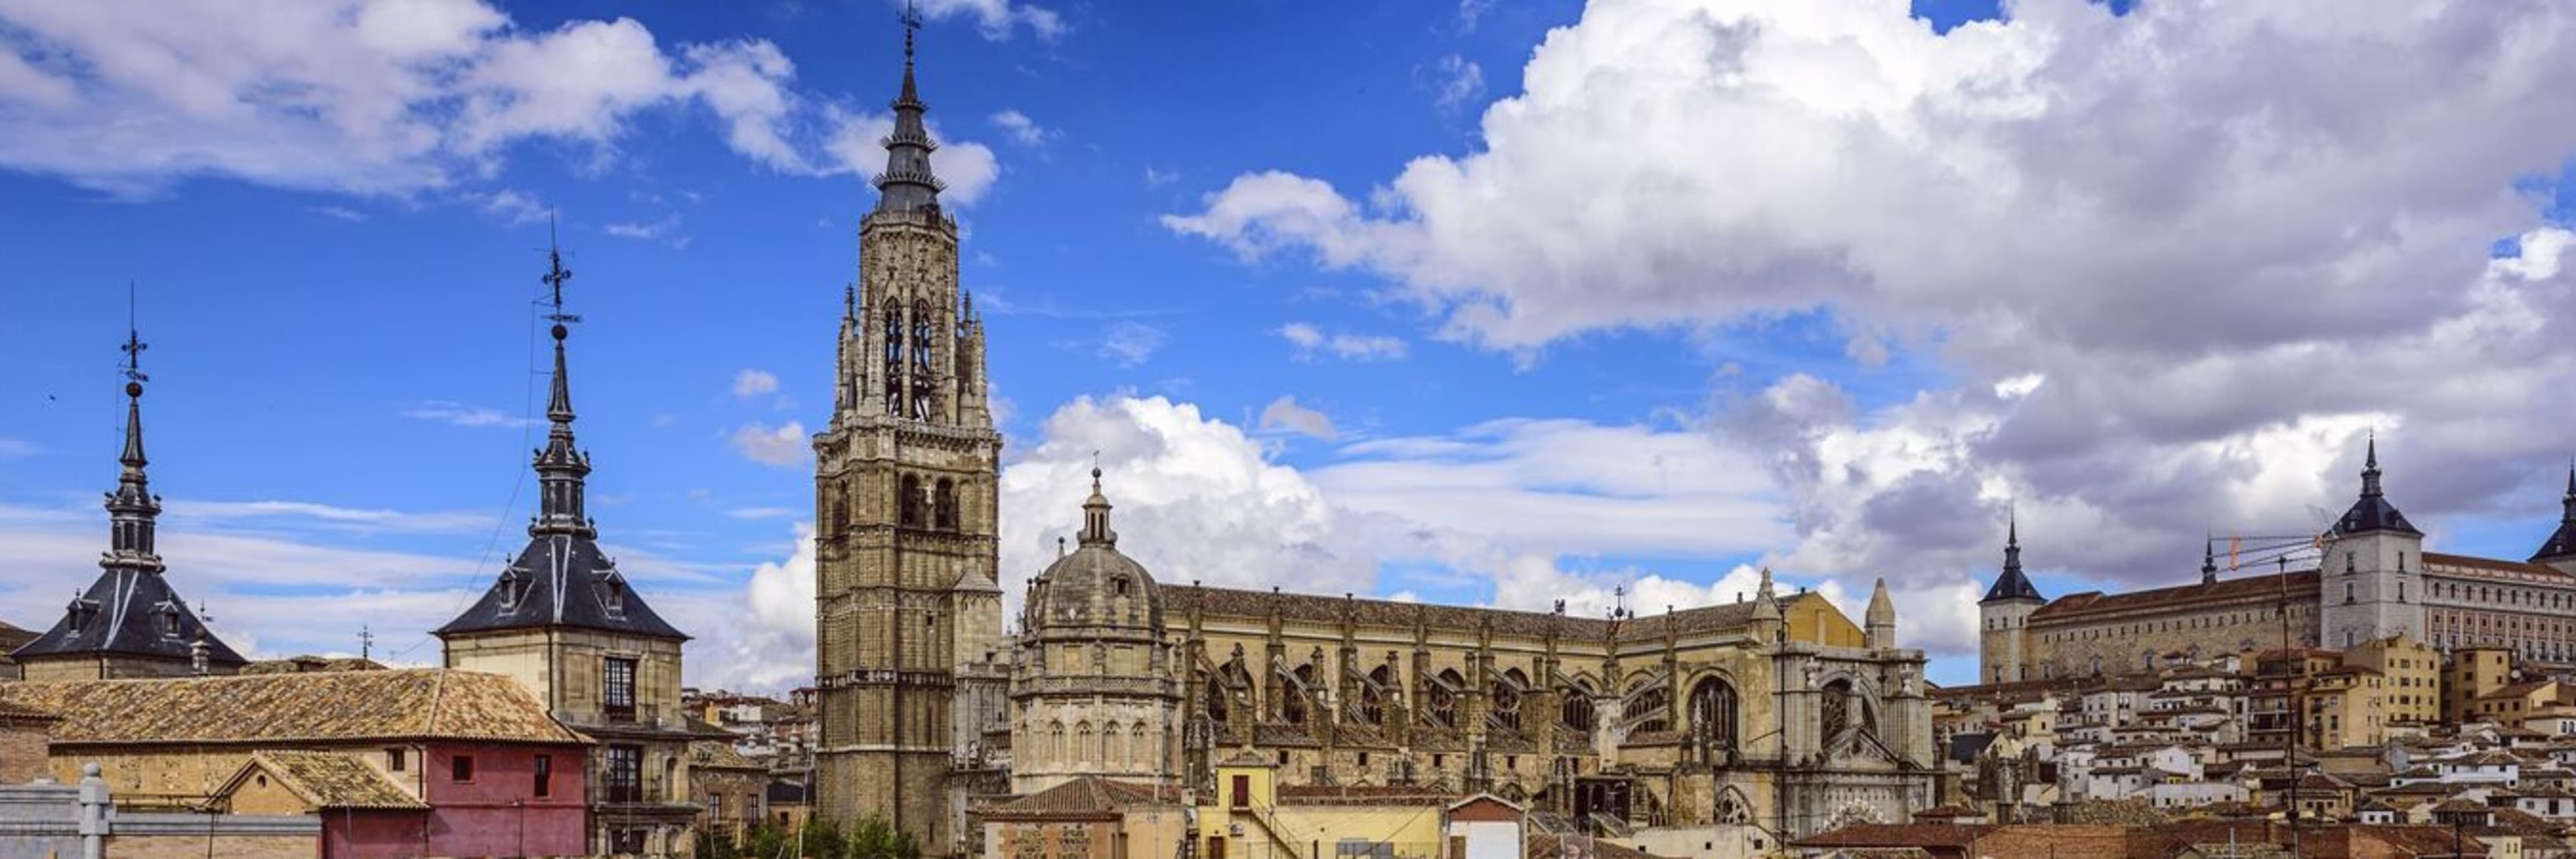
pixel 2003 640
pixel 908 613
pixel 2370 578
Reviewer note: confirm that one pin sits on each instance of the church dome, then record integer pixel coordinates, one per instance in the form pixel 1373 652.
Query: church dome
pixel 1095 585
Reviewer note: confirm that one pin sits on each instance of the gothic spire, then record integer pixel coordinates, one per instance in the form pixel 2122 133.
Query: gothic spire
pixel 2209 561
pixel 907 184
pixel 561 467
pixel 2370 469
pixel 2561 544
pixel 1095 516
pixel 133 510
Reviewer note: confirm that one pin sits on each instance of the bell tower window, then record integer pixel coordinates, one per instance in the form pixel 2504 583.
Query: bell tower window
pixel 893 333
pixel 910 490
pixel 924 355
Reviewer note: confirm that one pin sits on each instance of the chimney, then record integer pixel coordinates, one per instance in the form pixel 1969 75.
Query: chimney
pixel 197 651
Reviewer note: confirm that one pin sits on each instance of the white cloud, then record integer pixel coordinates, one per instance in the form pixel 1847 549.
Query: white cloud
pixel 460 414
pixel 512 207
pixel 761 513
pixel 2223 262
pixel 968 168
pixel 654 231
pixel 1156 177
pixel 1285 414
pixel 1311 341
pixel 309 514
pixel 386 96
pixel 1023 130
pixel 1130 343
pixel 1457 83
pixel 342 213
pixel 785 445
pixel 752 383
pixel 1472 12
pixel 998 19
pixel 10 447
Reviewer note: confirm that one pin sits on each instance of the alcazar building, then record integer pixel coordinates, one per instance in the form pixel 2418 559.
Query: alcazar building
pixel 2370 577
pixel 1776 713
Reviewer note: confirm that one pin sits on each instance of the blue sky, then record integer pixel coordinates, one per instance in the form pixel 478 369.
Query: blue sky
pixel 344 353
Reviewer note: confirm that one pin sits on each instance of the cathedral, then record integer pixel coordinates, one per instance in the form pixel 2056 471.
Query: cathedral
pixel 1774 713
pixel 2370 577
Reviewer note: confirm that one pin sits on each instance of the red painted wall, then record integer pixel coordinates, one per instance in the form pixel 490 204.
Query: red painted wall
pixel 497 813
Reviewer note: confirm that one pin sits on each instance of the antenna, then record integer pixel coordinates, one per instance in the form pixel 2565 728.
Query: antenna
pixel 205 615
pixel 555 276
pixel 366 642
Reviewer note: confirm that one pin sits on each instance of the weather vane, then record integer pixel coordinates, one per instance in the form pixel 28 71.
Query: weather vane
pixel 555 276
pixel 134 345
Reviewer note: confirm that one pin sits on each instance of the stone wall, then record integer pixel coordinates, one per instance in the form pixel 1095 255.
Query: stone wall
pixel 2122 642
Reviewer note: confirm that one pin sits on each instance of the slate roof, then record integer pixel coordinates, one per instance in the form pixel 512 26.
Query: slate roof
pixel 342 706
pixel 130 612
pixel 329 780
pixel 718 754
pixel 562 580
pixel 2562 542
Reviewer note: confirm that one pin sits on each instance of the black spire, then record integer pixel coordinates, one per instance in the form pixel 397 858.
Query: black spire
pixel 562 578
pixel 2012 585
pixel 2561 544
pixel 561 467
pixel 907 184
pixel 2209 562
pixel 2372 512
pixel 1095 516
pixel 132 510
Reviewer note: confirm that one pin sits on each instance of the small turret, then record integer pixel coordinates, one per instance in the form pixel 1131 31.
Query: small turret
pixel 2003 645
pixel 2560 549
pixel 1766 611
pixel 1881 619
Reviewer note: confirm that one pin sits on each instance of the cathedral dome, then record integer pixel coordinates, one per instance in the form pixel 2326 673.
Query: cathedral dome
pixel 1095 585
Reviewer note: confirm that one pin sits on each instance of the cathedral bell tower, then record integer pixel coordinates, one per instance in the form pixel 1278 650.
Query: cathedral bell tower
pixel 909 660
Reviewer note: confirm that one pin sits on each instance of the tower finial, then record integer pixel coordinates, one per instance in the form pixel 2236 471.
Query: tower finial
pixel 2370 467
pixel 908 183
pixel 132 509
pixel 561 467
pixel 1095 515
pixel 2209 560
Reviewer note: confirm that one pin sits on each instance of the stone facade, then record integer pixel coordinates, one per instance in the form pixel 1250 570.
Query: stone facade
pixel 909 659
pixel 2368 578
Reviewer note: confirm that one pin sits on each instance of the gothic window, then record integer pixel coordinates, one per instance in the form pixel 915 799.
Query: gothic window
pixel 1212 698
pixel 1644 710
pixel 1576 711
pixel 894 400
pixel 1292 706
pixel 2347 592
pixel 1444 697
pixel 1140 755
pixel 1713 716
pixel 1506 699
pixel 1372 701
pixel 1836 715
pixel 924 347
pixel 840 512
pixel 944 505
pixel 1113 749
pixel 1056 744
pixel 909 499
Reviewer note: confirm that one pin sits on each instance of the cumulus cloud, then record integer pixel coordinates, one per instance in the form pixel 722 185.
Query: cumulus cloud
pixel 784 446
pixel 1285 414
pixel 752 383
pixel 1456 82
pixel 1022 130
pixel 2172 261
pixel 379 96
pixel 998 19
pixel 460 414
pixel 1312 341
pixel 1129 343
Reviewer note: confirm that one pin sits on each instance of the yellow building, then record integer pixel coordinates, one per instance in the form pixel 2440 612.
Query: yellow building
pixel 2511 704
pixel 2345 707
pixel 2473 673
pixel 2410 676
pixel 1251 814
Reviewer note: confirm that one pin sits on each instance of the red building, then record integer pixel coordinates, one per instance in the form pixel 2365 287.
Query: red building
pixel 395 763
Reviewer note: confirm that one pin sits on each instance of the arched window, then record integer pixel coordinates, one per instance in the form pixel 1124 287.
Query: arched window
pixel 1644 711
pixel 1713 716
pixel 944 505
pixel 1506 698
pixel 1113 748
pixel 1835 717
pixel 1212 697
pixel 1292 705
pixel 1140 754
pixel 1372 701
pixel 1056 745
pixel 893 364
pixel 908 501
pixel 925 347
pixel 1576 710
pixel 1444 697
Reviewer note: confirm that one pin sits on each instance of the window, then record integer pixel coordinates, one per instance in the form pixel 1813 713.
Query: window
pixel 617 692
pixel 545 775
pixel 1243 791
pixel 393 759
pixel 625 774
pixel 461 767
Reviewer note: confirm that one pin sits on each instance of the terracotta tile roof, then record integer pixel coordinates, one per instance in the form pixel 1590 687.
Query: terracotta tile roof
pixel 328 780
pixel 2095 602
pixel 308 664
pixel 1541 845
pixel 1088 796
pixel 2446 563
pixel 272 708
pixel 1922 835
pixel 718 754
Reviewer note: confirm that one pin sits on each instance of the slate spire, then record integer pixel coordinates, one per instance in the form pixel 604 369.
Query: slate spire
pixel 561 467
pixel 2209 561
pixel 2012 584
pixel 133 511
pixel 2372 511
pixel 907 184
pixel 2561 544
